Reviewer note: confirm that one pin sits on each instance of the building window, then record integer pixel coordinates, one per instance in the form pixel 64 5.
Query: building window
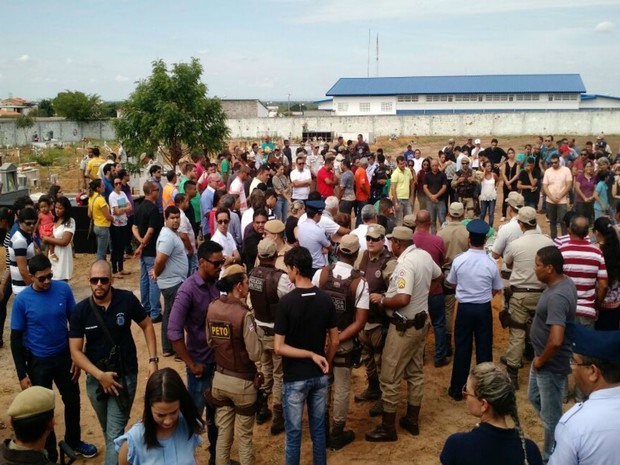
pixel 562 97
pixel 365 107
pixel 407 98
pixel 439 98
pixel 527 97
pixel 468 98
pixel 497 98
pixel 386 107
pixel 343 107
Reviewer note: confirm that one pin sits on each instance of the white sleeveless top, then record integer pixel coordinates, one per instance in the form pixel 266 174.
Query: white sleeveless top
pixel 487 189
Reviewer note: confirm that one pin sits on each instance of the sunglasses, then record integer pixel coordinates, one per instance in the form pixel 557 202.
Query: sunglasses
pixel 117 183
pixel 223 221
pixel 301 164
pixel 47 277
pixel 96 280
pixel 217 263
pixel 29 223
pixel 373 239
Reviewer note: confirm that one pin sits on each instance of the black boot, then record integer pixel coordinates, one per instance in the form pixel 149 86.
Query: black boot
pixel 263 413
pixel 376 409
pixel 386 431
pixel 410 420
pixel 372 392
pixel 340 437
pixel 277 425
pixel 513 373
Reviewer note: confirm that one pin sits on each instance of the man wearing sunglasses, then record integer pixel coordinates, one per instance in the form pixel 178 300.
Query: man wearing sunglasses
pixel 21 250
pixel 112 368
pixel 39 321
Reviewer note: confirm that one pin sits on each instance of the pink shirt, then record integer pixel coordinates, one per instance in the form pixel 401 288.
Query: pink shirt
pixel 46 224
pixel 556 180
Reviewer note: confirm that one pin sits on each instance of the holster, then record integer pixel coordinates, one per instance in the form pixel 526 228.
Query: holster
pixel 352 358
pixel 420 320
pixel 259 380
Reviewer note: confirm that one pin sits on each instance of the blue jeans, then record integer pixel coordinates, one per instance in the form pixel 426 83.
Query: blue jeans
pixel 192 264
pixel 438 212
pixel 295 394
pixel 149 291
pixel 545 393
pixel 103 241
pixel 436 310
pixel 197 388
pixel 488 206
pixel 555 213
pixel 281 209
pixel 110 417
pixel 404 210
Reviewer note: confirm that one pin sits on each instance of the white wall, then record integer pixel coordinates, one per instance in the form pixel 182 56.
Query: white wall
pixel 600 102
pixel 578 123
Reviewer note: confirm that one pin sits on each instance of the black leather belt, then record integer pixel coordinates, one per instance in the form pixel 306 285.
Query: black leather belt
pixel 267 330
pixel 237 374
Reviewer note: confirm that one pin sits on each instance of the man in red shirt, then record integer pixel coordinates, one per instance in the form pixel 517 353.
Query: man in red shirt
pixel 326 179
pixel 362 189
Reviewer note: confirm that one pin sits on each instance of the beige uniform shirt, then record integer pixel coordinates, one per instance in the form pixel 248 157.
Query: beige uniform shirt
pixel 456 238
pixel 521 253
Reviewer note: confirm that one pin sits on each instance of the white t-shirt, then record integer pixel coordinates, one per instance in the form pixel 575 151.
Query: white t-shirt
pixel 327 223
pixel 301 193
pixel 361 232
pixel 417 164
pixel 119 200
pixel 186 227
pixel 227 242
pixel 236 187
pixel 246 219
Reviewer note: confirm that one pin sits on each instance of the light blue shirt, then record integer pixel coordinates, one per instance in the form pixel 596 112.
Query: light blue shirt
pixel 312 237
pixel 176 449
pixel 588 433
pixel 175 269
pixel 475 275
pixel 206 205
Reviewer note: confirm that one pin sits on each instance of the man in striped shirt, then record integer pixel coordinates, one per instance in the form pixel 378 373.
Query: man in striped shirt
pixel 585 265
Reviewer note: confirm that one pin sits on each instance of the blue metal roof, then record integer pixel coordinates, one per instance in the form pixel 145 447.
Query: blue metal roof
pixel 489 84
pixel 595 96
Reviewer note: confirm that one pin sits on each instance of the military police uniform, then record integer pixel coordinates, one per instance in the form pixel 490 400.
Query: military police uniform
pixel 277 227
pixel 267 285
pixel 588 433
pixel 465 190
pixel 233 335
pixel 377 271
pixel 406 336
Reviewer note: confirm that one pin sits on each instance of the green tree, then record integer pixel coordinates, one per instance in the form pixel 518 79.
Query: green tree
pixel 24 122
pixel 171 108
pixel 77 106
pixel 45 108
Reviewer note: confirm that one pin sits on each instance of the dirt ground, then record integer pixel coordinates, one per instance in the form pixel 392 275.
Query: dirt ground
pixel 440 415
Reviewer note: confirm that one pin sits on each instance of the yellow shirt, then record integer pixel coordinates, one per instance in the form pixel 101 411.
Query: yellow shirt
pixel 96 204
pixel 93 167
pixel 402 180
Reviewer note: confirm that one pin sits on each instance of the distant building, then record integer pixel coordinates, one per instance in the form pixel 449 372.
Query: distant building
pixel 461 94
pixel 15 106
pixel 239 109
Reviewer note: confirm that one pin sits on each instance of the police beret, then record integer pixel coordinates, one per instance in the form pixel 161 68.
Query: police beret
pixel 31 402
pixel 402 233
pixel 267 248
pixel 478 227
pixel 603 345
pixel 232 269
pixel 318 205
pixel 274 226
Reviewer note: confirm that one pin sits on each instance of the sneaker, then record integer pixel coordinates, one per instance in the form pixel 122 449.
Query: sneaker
pixel 53 257
pixel 86 450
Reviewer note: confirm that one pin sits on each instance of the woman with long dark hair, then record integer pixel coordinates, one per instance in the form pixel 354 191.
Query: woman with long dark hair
pixel 510 175
pixel 62 239
pixel 490 396
pixel 169 432
pixel 609 309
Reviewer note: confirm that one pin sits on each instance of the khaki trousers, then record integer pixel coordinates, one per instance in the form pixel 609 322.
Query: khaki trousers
pixel 522 307
pixel 372 341
pixel 450 302
pixel 403 358
pixel 271 368
pixel 243 395
pixel 341 387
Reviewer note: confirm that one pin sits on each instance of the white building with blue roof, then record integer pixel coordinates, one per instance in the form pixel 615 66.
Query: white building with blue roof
pixel 461 94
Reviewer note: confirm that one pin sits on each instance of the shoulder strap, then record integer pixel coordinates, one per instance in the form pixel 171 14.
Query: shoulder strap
pixel 357 279
pixel 104 327
pixel 324 276
pixel 364 260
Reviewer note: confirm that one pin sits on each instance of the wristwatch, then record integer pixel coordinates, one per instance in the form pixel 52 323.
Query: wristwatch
pixel 154 360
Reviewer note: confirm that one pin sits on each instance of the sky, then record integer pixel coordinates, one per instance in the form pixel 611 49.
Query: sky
pixel 297 49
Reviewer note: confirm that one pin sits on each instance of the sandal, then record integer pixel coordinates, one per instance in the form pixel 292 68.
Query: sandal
pixel 167 354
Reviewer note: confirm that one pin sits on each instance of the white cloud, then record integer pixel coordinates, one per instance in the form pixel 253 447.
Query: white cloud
pixel 604 26
pixel 24 58
pixel 120 78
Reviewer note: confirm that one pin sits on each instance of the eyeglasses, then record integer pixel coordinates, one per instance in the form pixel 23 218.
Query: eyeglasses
pixel 216 263
pixel 464 163
pixel 47 277
pixel 117 183
pixel 96 280
pixel 223 221
pixel 374 239
pixel 574 363
pixel 29 223
pixel 301 163
pixel 465 393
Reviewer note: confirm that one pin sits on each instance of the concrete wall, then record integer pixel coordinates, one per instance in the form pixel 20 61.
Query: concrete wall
pixel 578 123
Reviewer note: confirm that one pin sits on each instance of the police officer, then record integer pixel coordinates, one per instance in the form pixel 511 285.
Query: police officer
pixel 465 184
pixel 475 276
pixel 376 265
pixel 588 433
pixel 349 292
pixel 235 339
pixel 274 229
pixel 267 284
pixel 406 305
pixel 525 288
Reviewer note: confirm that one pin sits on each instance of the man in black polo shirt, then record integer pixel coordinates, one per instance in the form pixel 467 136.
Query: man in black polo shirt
pixel 254 232
pixel 148 222
pixel 435 188
pixel 112 374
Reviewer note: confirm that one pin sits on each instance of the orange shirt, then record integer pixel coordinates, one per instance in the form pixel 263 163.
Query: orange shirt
pixel 362 188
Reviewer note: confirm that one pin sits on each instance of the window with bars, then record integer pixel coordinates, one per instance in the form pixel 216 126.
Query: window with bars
pixel 527 97
pixel 439 98
pixel 562 97
pixel 407 98
pixel 386 107
pixel 468 98
pixel 364 107
pixel 343 107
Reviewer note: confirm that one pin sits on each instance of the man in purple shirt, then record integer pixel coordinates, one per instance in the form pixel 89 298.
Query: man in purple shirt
pixel 435 246
pixel 187 331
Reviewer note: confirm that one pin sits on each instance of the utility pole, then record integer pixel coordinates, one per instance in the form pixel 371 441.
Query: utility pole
pixel 289 104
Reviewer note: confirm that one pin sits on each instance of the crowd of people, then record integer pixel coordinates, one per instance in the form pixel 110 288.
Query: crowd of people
pixel 277 271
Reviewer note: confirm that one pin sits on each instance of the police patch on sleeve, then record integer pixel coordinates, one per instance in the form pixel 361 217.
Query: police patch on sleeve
pixel 400 283
pixel 220 330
